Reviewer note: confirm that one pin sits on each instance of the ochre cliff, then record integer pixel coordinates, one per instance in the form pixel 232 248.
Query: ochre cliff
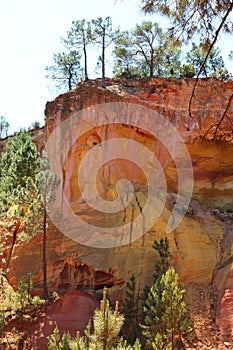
pixel 202 244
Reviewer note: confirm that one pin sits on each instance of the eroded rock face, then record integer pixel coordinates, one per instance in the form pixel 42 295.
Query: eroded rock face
pixel 212 161
pixel 202 244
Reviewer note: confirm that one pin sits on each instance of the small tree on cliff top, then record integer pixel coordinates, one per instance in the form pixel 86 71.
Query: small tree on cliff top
pixel 66 71
pixel 78 37
pixel 102 34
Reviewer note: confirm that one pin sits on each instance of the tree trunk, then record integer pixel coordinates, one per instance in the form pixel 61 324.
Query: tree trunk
pixel 85 62
pixel 70 80
pixel 45 286
pixel 103 59
pixel 152 65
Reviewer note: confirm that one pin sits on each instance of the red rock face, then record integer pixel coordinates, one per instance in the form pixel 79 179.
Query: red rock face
pixel 202 244
pixel 71 312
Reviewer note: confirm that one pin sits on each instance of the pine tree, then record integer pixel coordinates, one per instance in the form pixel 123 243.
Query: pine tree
pixel 66 71
pixel 162 265
pixel 131 311
pixel 27 182
pixel 155 326
pixel 214 66
pixel 166 320
pixel 102 34
pixel 107 325
pixel 19 163
pixel 175 313
pixel 78 38
pixel 46 184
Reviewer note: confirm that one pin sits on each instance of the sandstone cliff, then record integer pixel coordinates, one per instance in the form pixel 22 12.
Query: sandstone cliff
pixel 202 244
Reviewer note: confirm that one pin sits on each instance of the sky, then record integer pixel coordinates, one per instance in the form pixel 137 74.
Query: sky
pixel 30 33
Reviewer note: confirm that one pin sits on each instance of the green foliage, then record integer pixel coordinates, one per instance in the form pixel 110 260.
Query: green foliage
pixel 19 162
pixel 152 313
pixel 131 311
pixel 102 34
pixel 34 125
pixel 165 257
pixel 166 320
pixel 194 17
pixel 27 182
pixel 66 71
pixel 175 313
pixel 46 183
pixel 78 38
pixel 146 51
pixel 165 316
pixel 214 66
pixel 19 303
pixel 107 324
pixel 56 342
pixel 3 321
pixel 19 166
pixel 187 71
pixel 126 64
pixel 24 290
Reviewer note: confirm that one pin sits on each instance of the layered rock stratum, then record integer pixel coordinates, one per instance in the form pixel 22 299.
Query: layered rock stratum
pixel 202 244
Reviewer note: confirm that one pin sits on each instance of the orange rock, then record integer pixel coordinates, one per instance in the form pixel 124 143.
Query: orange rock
pixel 202 244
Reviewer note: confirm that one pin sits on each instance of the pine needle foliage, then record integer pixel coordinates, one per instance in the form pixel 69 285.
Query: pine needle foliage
pixel 131 311
pixel 103 335
pixel 165 257
pixel 107 325
pixel 19 165
pixel 166 321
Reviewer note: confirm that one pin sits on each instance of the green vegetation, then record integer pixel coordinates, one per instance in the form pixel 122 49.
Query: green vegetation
pixel 132 312
pixel 214 66
pixel 104 335
pixel 165 325
pixel 19 165
pixel 146 50
pixel 205 18
pixel 158 321
pixel 34 125
pixel 166 321
pixel 26 188
pixel 19 304
pixel 78 38
pixel 102 34
pixel 66 70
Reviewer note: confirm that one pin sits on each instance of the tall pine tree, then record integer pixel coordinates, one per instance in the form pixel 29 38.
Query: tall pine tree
pixel 131 311
pixel 165 315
